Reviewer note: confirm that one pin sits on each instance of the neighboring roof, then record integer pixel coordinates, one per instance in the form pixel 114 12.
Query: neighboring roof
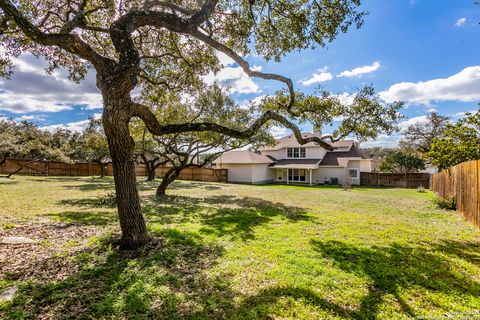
pixel 242 156
pixel 331 158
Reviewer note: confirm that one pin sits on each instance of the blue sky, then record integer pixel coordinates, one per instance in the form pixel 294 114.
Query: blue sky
pixel 424 52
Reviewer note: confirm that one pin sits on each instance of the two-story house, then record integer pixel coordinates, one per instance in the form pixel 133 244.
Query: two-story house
pixel 289 162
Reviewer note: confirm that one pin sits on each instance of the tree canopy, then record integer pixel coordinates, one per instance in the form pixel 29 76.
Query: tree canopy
pixel 402 162
pixel 461 142
pixel 419 136
pixel 26 140
pixel 165 48
pixel 183 150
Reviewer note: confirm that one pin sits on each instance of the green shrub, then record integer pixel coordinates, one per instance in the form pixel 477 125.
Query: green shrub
pixel 109 199
pixel 449 203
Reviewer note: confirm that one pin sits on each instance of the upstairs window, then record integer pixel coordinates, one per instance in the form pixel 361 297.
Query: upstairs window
pixel 296 153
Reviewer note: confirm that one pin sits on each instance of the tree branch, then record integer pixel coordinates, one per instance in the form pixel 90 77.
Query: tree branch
pixel 68 42
pixel 246 66
pixel 148 117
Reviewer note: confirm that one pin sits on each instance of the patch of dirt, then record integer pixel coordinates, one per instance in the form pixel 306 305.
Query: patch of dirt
pixel 48 258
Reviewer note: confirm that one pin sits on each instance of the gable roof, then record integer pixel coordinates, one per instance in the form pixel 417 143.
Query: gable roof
pixel 331 158
pixel 343 144
pixel 242 156
pixel 291 141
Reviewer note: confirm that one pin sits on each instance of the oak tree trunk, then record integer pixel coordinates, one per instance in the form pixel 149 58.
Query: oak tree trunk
pixel 103 170
pixel 115 121
pixel 150 165
pixel 168 178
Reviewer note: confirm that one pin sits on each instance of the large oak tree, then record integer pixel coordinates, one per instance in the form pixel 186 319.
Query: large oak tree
pixel 179 151
pixel 166 46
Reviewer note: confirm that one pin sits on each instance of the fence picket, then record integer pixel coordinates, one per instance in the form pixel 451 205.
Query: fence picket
pixel 462 182
pixel 395 180
pixel 54 168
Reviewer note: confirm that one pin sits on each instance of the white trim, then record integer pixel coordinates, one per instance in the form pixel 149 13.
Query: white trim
pixel 286 153
pixel 357 170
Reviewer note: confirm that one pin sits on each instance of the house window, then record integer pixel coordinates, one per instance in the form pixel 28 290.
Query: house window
pixel 297 175
pixel 296 153
pixel 353 173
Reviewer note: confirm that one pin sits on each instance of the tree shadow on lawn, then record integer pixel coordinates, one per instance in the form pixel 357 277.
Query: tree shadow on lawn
pixel 168 279
pixel 235 217
pixel 396 268
pixel 163 280
pixel 186 184
pixel 100 218
pixel 92 186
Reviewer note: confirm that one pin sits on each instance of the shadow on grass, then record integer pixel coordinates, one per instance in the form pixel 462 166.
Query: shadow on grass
pixel 92 186
pixel 396 268
pixel 162 281
pixel 181 185
pixel 171 279
pixel 235 217
pixel 86 217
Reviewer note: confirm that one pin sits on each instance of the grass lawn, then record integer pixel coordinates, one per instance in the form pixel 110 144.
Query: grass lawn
pixel 235 252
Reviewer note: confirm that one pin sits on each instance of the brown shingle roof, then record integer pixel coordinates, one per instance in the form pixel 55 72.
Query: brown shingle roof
pixel 296 161
pixel 331 158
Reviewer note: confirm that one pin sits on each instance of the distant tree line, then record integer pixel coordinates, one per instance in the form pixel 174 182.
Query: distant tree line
pixel 438 141
pixel 27 140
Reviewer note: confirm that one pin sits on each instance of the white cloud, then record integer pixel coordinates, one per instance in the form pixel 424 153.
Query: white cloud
pixel 463 86
pixel 322 75
pixel 234 79
pixel 460 22
pixel 279 132
pixel 72 126
pixel 392 140
pixel 384 140
pixel 413 121
pixel 463 113
pixel 359 71
pixel 247 104
pixel 30 118
pixel 432 110
pixel 32 90
pixel 224 59
pixel 346 98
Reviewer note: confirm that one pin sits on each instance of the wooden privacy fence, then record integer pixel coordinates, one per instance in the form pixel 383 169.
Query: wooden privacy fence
pixel 462 182
pixel 54 168
pixel 395 180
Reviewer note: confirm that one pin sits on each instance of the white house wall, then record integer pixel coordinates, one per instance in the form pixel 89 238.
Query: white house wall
pixel 277 154
pixel 323 174
pixel 248 173
pixel 262 174
pixel 366 165
pixel 316 153
pixel 238 172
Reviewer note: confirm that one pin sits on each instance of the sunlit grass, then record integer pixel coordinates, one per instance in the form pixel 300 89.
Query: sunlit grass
pixel 239 251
